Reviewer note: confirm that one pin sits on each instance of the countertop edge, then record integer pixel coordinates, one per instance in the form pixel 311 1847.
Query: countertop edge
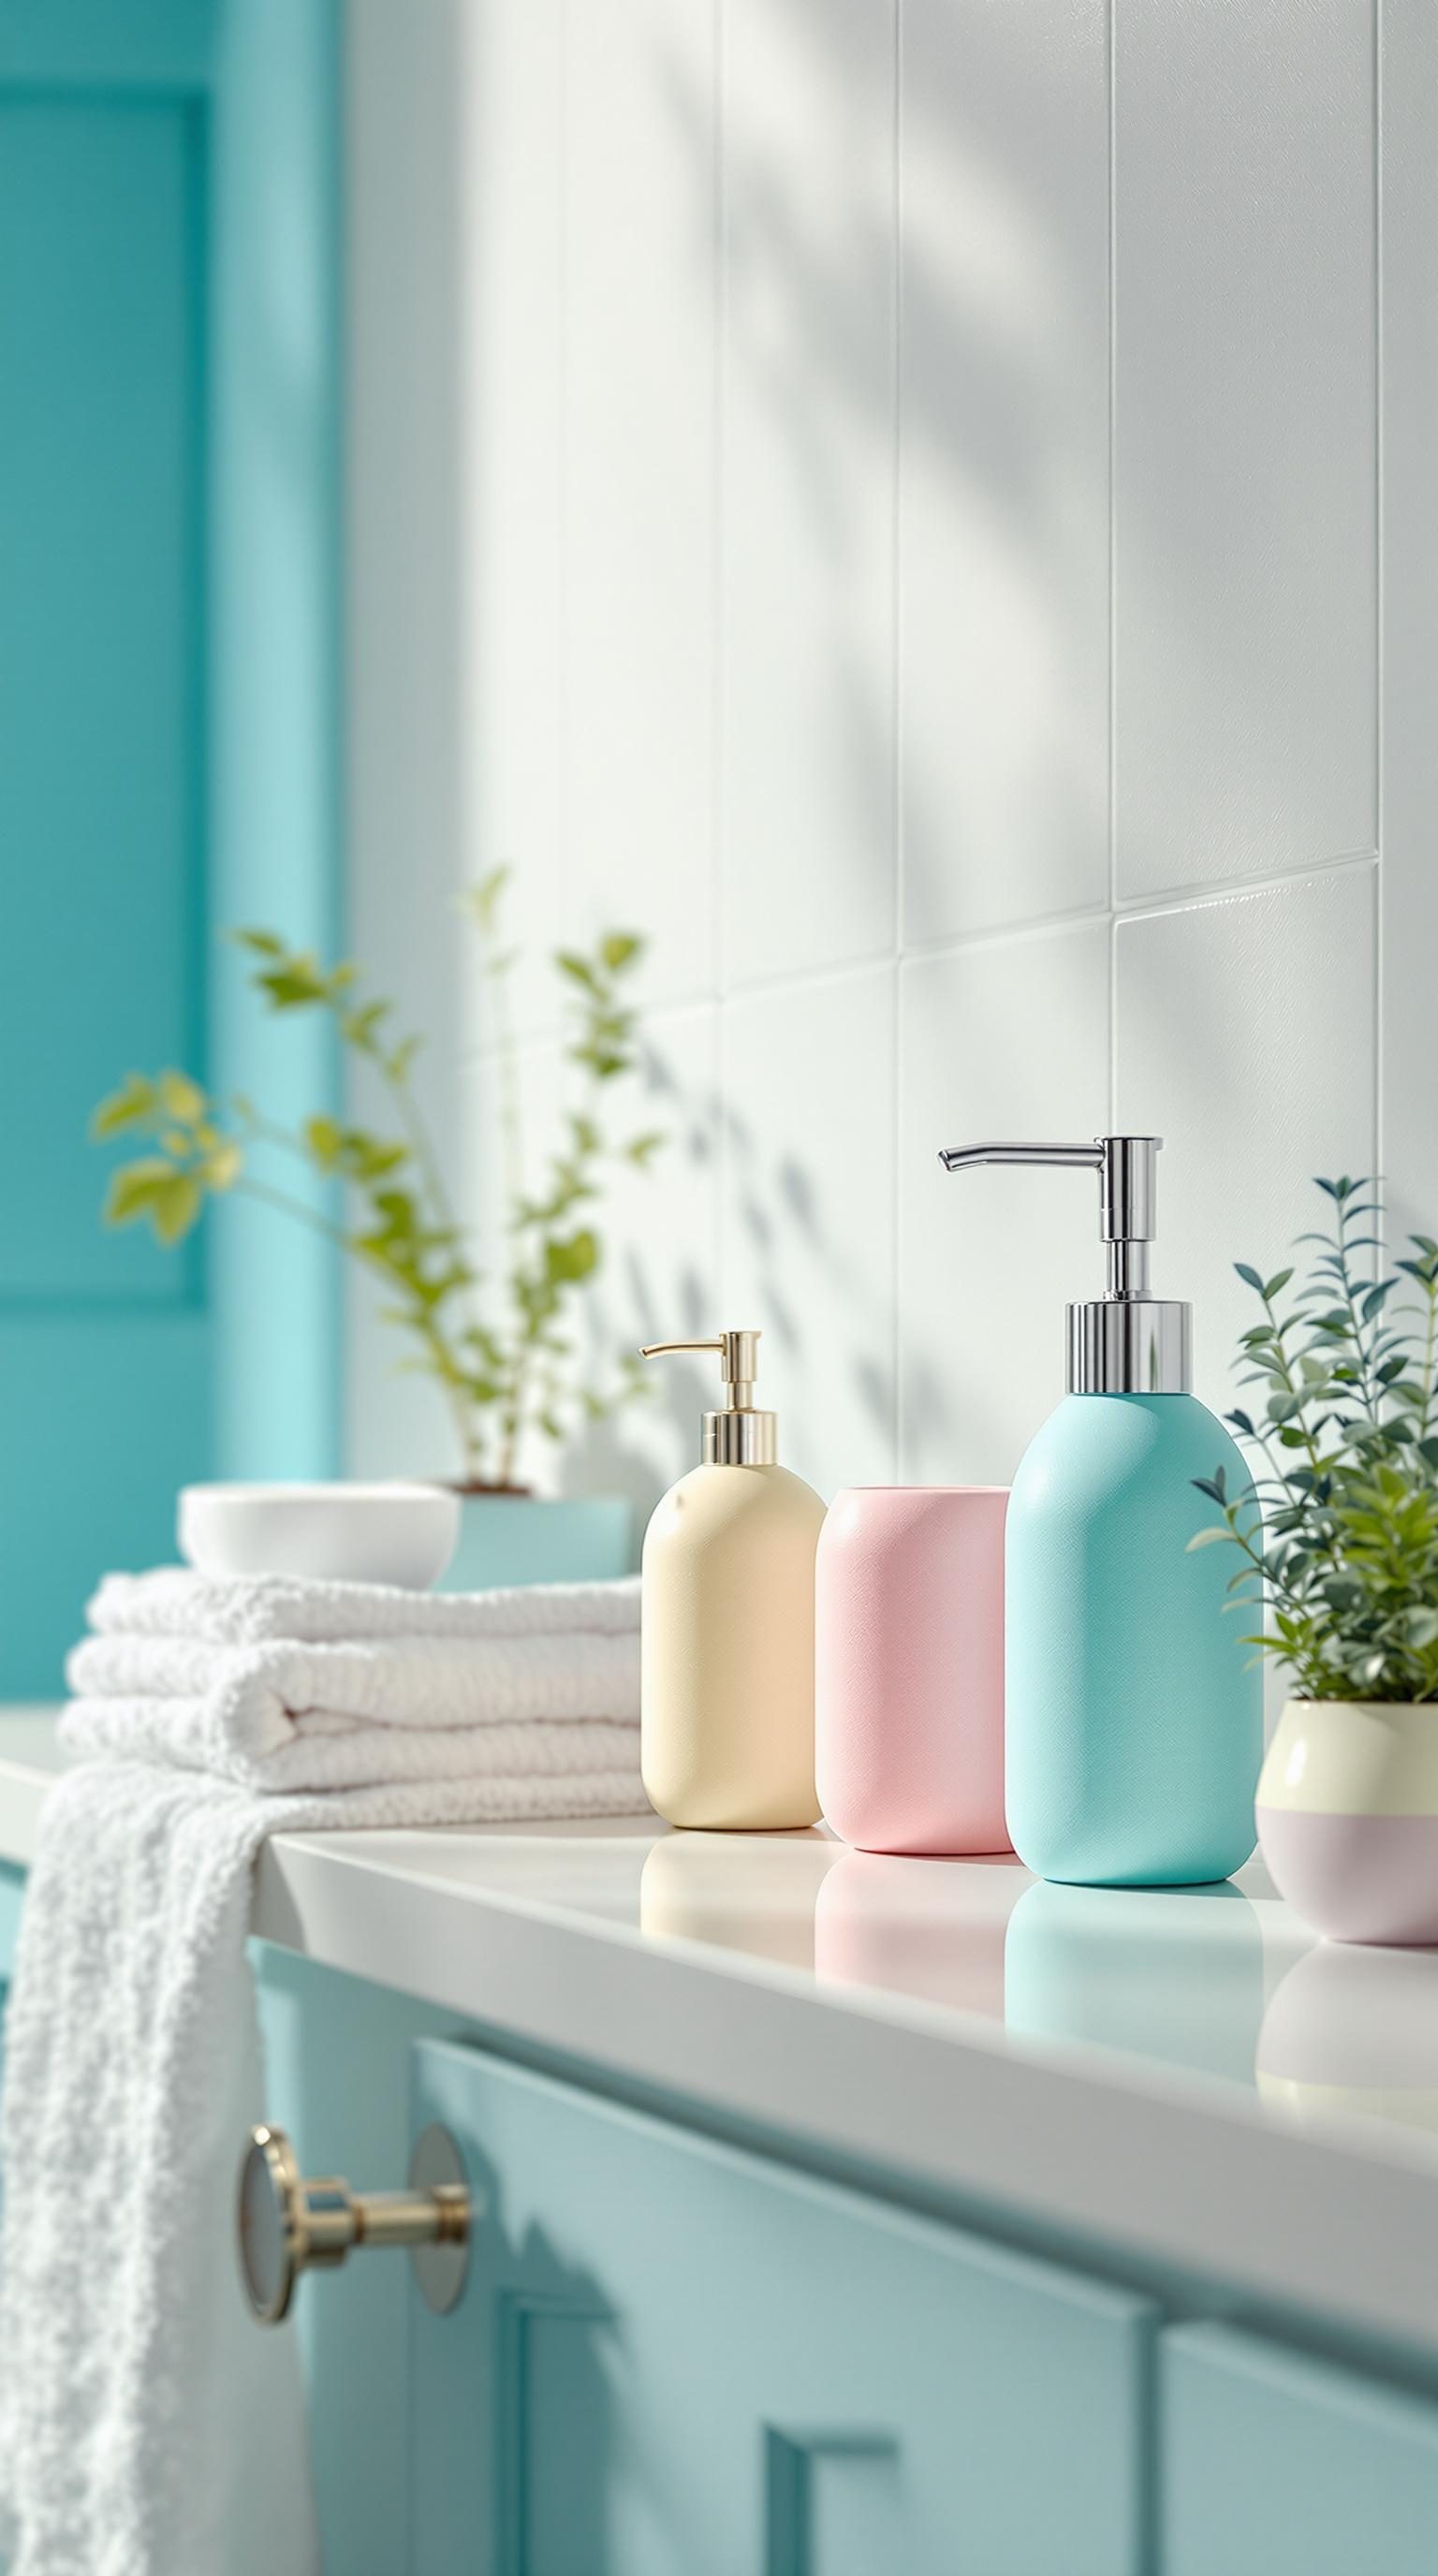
pixel 1091 2143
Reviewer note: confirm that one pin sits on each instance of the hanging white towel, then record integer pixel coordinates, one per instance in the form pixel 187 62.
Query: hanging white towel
pixel 147 2427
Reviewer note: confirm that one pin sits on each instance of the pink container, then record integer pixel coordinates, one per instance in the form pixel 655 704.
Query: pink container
pixel 909 1667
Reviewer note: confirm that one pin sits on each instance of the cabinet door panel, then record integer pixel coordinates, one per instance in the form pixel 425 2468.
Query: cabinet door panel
pixel 1276 2465
pixel 674 2359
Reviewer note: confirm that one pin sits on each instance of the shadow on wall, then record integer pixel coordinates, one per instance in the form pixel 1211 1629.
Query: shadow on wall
pixel 975 333
pixel 641 1296
pixel 971 356
pixel 773 1198
pixel 994 381
pixel 975 353
pixel 994 389
pixel 790 1231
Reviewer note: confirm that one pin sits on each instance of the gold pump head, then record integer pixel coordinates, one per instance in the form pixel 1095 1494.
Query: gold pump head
pixel 738 1436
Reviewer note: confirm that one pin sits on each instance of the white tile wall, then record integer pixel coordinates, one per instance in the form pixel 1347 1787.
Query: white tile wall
pixel 908 532
pixel 1004 1037
pixel 808 1233
pixel 1246 1040
pixel 1245 438
pixel 639 448
pixel 806 498
pixel 504 520
pixel 1003 464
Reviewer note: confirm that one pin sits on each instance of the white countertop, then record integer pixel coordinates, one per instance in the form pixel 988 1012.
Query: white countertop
pixel 1186 2074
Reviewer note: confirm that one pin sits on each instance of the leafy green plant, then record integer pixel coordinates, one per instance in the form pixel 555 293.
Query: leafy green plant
pixel 1339 1530
pixel 497 1348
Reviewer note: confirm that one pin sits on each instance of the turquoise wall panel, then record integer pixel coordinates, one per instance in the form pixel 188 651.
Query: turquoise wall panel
pixel 106 1354
pixel 102 258
pixel 94 43
pixel 276 732
pixel 1272 2464
pixel 169 744
pixel 103 1415
pixel 673 2356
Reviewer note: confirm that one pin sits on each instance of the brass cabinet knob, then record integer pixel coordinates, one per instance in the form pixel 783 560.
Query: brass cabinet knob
pixel 287 2225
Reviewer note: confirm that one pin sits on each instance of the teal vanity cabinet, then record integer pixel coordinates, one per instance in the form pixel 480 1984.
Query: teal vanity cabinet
pixel 1274 2464
pixel 674 2358
pixel 676 2355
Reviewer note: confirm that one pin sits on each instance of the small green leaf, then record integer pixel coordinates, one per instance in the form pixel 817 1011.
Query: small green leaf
pixel 620 948
pixel 568 1260
pixel 133 1188
pixel 130 1106
pixel 358 1028
pixel 1249 1275
pixel 324 1138
pixel 482 899
pixel 1211 1538
pixel 294 985
pixel 181 1098
pixel 176 1206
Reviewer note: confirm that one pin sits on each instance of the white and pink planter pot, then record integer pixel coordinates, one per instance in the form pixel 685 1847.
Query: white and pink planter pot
pixel 1348 1818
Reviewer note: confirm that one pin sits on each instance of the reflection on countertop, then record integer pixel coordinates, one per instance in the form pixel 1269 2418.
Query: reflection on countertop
pixel 754 1893
pixel 930 1929
pixel 1218 1985
pixel 1214 1982
pixel 1169 1973
pixel 1354 2031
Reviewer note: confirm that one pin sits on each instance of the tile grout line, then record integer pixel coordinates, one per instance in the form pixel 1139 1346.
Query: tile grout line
pixel 1111 80
pixel 724 999
pixel 1219 889
pixel 718 318
pixel 1380 593
pixel 719 840
pixel 563 461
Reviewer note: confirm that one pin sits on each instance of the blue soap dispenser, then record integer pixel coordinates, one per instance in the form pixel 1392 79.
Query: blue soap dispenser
pixel 1134 1726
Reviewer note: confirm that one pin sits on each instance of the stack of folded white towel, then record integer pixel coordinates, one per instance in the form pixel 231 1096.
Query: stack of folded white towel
pixel 421 1706
pixel 147 2427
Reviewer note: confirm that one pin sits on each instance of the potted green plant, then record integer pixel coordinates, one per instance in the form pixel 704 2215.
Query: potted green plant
pixel 1338 1534
pixel 495 1342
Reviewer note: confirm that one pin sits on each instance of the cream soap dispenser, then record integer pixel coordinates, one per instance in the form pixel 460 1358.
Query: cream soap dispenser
pixel 727 1687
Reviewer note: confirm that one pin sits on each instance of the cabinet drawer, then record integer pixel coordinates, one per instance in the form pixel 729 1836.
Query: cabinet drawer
pixel 1276 2465
pixel 673 2359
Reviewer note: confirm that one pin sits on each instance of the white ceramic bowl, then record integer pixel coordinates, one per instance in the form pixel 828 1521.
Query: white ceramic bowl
pixel 403 1534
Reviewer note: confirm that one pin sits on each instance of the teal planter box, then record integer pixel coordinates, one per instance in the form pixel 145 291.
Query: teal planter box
pixel 517 1538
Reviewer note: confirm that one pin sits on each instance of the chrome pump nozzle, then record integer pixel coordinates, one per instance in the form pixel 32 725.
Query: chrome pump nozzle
pixel 1127 1342
pixel 738 1435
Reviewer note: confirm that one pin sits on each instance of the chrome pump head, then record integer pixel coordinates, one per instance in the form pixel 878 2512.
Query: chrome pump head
pixel 1126 1342
pixel 738 1435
